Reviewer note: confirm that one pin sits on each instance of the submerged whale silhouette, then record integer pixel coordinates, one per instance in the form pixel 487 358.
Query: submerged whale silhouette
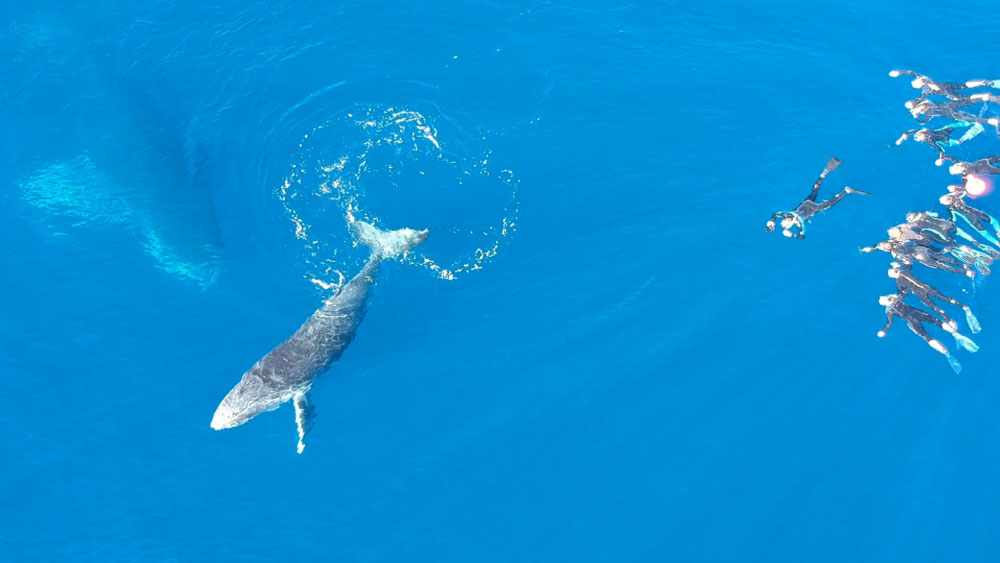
pixel 117 153
pixel 288 371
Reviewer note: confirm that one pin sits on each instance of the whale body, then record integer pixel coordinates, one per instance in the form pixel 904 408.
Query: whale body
pixel 288 371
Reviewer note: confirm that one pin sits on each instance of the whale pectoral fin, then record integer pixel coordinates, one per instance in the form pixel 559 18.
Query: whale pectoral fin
pixel 305 414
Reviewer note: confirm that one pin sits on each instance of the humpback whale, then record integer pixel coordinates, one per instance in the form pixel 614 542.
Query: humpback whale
pixel 288 371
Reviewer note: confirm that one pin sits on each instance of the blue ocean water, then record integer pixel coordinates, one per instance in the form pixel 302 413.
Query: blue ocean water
pixel 598 355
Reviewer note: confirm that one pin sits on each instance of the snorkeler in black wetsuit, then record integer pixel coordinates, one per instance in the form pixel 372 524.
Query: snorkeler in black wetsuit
pixel 809 207
pixel 914 318
pixel 940 138
pixel 906 283
pixel 906 233
pixel 928 87
pixel 930 257
pixel 927 110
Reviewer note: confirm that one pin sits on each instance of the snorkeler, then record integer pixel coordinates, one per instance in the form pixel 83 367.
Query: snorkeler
pixel 905 232
pixel 978 167
pixel 906 283
pixel 930 257
pixel 915 319
pixel 976 218
pixel 946 230
pixel 926 110
pixel 928 87
pixel 941 137
pixel 809 206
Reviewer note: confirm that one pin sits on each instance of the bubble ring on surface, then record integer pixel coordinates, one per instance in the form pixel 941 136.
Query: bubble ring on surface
pixel 340 173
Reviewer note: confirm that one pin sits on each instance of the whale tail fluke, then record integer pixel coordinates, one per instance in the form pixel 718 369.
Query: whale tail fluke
pixel 389 244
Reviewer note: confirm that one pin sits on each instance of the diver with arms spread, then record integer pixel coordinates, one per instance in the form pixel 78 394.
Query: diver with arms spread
pixel 809 207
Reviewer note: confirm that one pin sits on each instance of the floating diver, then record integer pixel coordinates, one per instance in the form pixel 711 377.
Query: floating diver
pixel 940 138
pixel 931 257
pixel 926 110
pixel 929 87
pixel 809 206
pixel 915 318
pixel 905 233
pixel 906 283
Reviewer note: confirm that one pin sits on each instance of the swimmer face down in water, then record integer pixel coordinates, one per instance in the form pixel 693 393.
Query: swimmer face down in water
pixel 809 206
pixel 915 319
pixel 907 283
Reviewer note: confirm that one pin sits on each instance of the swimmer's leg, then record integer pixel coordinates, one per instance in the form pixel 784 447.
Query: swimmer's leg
pixel 933 306
pixel 978 83
pixel 974 130
pixel 939 265
pixel 918 329
pixel 831 165
pixel 978 260
pixel 975 221
pixel 824 205
pixel 995 224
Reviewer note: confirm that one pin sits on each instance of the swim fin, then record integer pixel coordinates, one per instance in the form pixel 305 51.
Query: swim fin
pixel 972 321
pixel 966 343
pixel 954 364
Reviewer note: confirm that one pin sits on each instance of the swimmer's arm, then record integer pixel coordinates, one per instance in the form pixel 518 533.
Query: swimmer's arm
pixel 888 323
pixel 905 136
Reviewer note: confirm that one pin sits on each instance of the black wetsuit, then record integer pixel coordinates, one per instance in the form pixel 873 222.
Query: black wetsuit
pixel 949 109
pixel 809 207
pixel 931 222
pixel 908 283
pixel 950 90
pixel 931 88
pixel 930 257
pixel 914 318
pixel 935 138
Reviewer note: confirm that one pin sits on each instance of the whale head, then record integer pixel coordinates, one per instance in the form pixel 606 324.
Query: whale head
pixel 251 396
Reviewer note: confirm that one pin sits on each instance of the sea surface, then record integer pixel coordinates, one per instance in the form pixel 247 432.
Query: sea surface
pixel 599 354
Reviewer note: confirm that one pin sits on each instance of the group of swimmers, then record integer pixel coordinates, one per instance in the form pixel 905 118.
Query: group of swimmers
pixel 926 237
